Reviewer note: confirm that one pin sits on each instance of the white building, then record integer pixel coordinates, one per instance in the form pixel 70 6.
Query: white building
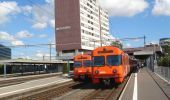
pixel 81 25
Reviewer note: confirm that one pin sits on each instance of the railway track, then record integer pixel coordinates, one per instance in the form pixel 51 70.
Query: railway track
pixel 72 91
pixel 95 92
pixel 107 93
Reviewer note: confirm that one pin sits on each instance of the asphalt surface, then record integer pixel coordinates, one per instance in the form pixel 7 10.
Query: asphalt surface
pixel 147 87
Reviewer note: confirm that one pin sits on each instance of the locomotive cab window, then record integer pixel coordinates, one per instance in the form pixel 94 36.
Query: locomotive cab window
pixel 87 63
pixel 114 60
pixel 77 63
pixel 99 61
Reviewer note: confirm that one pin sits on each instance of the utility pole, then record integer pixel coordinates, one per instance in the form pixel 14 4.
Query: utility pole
pixel 144 40
pixel 50 50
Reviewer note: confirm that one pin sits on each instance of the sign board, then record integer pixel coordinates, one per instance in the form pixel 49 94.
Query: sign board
pixel 63 28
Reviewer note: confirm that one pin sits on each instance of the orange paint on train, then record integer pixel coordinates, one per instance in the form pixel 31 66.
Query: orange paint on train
pixel 110 63
pixel 82 67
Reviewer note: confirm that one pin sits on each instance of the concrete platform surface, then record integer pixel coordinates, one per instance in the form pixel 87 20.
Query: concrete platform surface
pixel 31 85
pixel 165 86
pixel 29 76
pixel 146 87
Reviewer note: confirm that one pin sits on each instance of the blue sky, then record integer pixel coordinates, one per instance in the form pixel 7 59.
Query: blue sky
pixel 32 22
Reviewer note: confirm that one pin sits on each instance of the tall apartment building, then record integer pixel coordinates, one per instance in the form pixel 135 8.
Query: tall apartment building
pixel 81 25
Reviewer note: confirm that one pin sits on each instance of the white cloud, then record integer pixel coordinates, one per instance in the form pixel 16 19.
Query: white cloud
pixel 124 7
pixel 52 23
pixel 24 34
pixel 50 1
pixel 27 9
pixel 127 45
pixel 8 8
pixel 5 36
pixel 39 25
pixel 161 7
pixel 41 55
pixel 42 35
pixel 17 42
pixel 43 15
pixel 10 38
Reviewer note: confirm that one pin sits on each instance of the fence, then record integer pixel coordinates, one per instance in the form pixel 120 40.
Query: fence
pixel 163 72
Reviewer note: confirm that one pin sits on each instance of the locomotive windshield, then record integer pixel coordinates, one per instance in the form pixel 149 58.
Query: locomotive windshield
pixel 114 60
pixel 99 61
pixel 87 63
pixel 77 63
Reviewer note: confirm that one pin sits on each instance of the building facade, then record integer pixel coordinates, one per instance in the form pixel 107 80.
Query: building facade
pixel 81 26
pixel 5 52
pixel 164 42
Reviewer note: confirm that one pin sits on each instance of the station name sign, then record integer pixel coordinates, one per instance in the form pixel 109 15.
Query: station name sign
pixel 63 28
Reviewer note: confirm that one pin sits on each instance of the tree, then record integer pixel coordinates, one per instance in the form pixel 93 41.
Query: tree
pixel 65 68
pixel 165 58
pixel 117 44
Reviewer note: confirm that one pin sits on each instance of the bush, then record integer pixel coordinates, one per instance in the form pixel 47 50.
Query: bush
pixel 65 68
pixel 164 61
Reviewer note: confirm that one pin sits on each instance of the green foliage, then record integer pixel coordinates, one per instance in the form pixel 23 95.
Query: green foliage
pixel 117 44
pixel 1 66
pixel 165 59
pixel 65 68
pixel 166 49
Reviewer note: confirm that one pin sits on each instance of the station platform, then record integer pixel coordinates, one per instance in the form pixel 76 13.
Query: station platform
pixel 31 85
pixel 146 85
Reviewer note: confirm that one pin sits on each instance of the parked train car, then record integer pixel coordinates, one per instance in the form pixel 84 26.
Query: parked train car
pixel 82 67
pixel 110 64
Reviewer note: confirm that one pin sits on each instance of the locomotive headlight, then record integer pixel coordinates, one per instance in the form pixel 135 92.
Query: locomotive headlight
pixel 97 72
pixel 114 71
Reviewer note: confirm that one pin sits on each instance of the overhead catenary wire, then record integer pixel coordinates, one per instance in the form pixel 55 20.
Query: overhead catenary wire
pixel 44 10
pixel 35 45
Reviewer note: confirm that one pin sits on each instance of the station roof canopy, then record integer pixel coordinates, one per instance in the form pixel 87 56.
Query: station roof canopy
pixel 33 62
pixel 144 52
pixel 148 50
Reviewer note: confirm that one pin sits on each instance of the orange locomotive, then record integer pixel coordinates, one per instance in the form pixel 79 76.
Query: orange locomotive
pixel 82 67
pixel 110 64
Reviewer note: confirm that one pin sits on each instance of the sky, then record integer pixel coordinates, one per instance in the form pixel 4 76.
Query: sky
pixel 32 22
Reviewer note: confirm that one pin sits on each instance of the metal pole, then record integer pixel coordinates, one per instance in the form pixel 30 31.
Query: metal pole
pixel 68 66
pixel 50 51
pixel 144 40
pixel 168 76
pixel 5 71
